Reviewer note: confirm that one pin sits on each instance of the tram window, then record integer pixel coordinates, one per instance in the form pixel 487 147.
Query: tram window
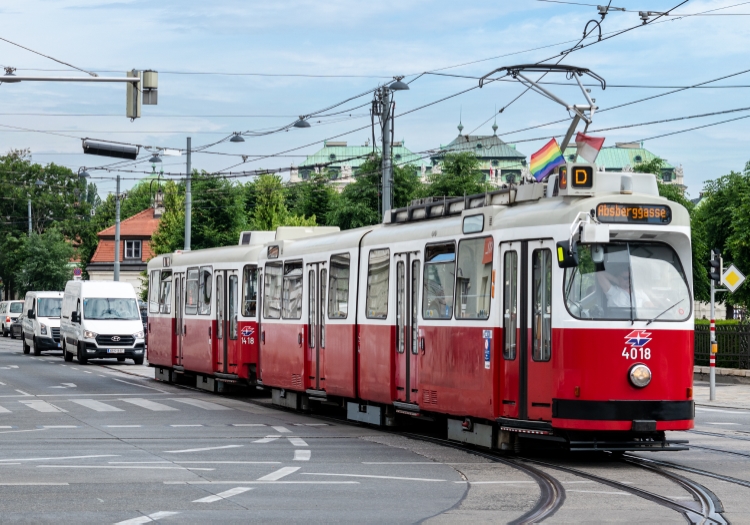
pixel 272 291
pixel 191 292
pixel 648 275
pixel 219 306
pixel 338 289
pixel 414 307
pixel 292 292
pixel 378 270
pixel 165 292
pixel 153 293
pixel 323 281
pixel 205 290
pixel 233 307
pixel 474 278
pixel 541 295
pixel 510 304
pixel 439 277
pixel 249 291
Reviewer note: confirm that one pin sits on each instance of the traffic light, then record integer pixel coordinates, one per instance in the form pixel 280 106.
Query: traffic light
pixel 717 266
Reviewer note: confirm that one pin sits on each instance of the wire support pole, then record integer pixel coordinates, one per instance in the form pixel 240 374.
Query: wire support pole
pixel 387 164
pixel 188 198
pixel 712 355
pixel 29 217
pixel 117 232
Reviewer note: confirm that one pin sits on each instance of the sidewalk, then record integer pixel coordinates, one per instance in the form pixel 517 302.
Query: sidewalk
pixel 732 388
pixel 132 369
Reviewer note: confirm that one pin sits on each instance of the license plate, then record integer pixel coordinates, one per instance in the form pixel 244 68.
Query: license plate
pixel 115 350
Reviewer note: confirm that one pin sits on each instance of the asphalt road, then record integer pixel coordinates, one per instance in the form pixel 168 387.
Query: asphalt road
pixel 102 444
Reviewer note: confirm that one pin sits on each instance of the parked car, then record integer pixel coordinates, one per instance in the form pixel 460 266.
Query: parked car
pixel 9 312
pixel 101 319
pixel 41 323
pixel 16 328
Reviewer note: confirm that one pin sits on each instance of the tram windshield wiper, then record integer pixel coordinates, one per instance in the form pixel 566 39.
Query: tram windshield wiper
pixel 665 311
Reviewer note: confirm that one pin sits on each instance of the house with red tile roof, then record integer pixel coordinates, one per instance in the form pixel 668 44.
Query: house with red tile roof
pixel 135 249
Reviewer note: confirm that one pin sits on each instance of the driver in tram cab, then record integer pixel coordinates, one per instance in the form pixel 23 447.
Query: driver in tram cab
pixel 615 283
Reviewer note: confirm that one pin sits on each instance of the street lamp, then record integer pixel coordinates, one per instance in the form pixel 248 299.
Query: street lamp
pixel 236 137
pixel 399 85
pixel 301 123
pixel 82 173
pixel 154 159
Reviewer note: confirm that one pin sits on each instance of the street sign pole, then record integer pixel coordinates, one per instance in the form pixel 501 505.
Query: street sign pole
pixel 714 347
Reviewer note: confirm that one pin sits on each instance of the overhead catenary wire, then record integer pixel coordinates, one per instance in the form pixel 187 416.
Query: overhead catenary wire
pixel 49 57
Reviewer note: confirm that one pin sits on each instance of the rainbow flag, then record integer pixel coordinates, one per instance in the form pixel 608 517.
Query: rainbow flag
pixel 544 161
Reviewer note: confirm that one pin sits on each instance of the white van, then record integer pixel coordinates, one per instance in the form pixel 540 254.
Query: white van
pixel 101 319
pixel 41 322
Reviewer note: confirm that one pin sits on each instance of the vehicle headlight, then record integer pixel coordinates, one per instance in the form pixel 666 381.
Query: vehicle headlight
pixel 640 375
pixel 43 328
pixel 138 335
pixel 88 334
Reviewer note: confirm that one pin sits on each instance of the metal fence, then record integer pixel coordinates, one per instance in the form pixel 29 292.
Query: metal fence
pixel 734 346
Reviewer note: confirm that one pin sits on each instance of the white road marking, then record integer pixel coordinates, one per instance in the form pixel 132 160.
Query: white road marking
pixel 24 393
pixel 711 423
pixel 179 426
pixel 7 427
pixel 281 430
pixel 63 387
pixel 701 409
pixel 248 425
pixel 402 463
pixel 64 457
pixel 96 405
pixel 278 474
pixel 267 439
pixel 71 385
pixel 4 410
pixel 123 467
pixel 147 519
pixel 302 455
pixel 230 462
pixel 59 426
pixel 223 495
pixel 297 442
pixel 1 383
pixel 370 476
pixel 123 426
pixel 137 462
pixel 494 482
pixel 600 492
pixel 42 406
pixel 205 405
pixel 31 430
pixel 149 405
pixel 257 482
pixel 201 449
pixel 42 484
pixel 142 386
pixel 87 372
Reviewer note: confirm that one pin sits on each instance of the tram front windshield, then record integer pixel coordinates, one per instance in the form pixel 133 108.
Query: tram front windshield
pixel 634 281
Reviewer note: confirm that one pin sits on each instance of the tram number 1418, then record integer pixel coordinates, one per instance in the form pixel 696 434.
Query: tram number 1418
pixel 636 353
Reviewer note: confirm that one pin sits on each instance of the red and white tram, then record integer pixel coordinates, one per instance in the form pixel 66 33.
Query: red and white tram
pixel 203 310
pixel 560 312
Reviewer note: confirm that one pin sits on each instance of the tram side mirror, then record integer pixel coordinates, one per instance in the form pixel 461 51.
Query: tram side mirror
pixel 567 254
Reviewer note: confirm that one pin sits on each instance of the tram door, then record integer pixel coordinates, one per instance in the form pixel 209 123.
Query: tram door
pixel 179 311
pixel 317 279
pixel 408 271
pixel 527 329
pixel 226 321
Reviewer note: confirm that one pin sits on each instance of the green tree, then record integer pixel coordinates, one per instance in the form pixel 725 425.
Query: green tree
pixel 313 197
pixel 360 202
pixel 46 262
pixel 269 207
pixel 460 176
pixel 218 211
pixel 675 193
pixel 170 235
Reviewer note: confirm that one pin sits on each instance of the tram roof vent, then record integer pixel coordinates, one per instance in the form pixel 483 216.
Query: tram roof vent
pixel 436 207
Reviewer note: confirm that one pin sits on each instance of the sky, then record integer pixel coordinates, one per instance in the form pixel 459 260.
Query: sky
pixel 230 66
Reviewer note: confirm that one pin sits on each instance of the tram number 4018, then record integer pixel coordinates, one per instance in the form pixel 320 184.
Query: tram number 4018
pixel 636 353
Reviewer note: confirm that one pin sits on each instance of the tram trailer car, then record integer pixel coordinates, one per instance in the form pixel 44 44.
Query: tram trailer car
pixel 508 314
pixel 203 310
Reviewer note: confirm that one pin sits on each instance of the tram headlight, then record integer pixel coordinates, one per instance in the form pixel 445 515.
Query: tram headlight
pixel 640 375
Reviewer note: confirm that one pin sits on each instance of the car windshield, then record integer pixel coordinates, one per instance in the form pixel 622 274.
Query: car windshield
pixel 49 307
pixel 16 308
pixel 101 308
pixel 634 281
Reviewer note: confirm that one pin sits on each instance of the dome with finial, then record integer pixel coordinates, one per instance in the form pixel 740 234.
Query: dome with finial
pixel 494 128
pixel 460 128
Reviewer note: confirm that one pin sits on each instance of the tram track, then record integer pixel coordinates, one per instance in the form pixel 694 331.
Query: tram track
pixel 692 470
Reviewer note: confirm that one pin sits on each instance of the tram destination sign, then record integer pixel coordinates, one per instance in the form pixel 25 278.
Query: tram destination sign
pixel 634 213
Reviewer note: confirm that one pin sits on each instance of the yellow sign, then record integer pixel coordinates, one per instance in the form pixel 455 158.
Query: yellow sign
pixel 732 278
pixel 583 177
